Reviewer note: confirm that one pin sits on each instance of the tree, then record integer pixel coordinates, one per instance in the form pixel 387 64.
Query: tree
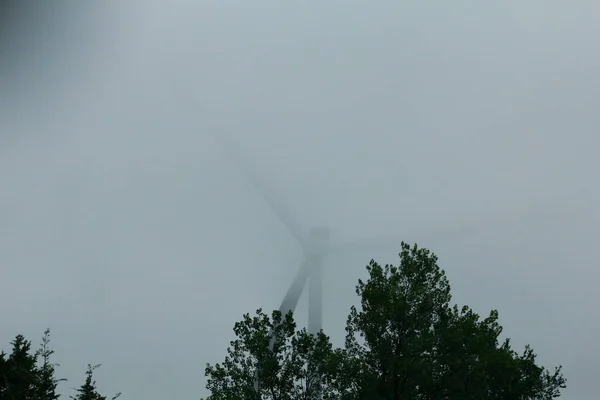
pixel 31 376
pixel 47 382
pixel 18 371
pixel 406 341
pixel 88 391
pixel 289 364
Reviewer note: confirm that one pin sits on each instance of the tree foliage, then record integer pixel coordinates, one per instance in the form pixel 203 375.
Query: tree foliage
pixel 416 345
pixel 405 341
pixel 88 390
pixel 19 371
pixel 47 381
pixel 31 375
pixel 270 355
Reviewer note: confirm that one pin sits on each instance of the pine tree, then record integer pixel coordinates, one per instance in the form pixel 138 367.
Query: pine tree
pixel 47 382
pixel 88 390
pixel 19 372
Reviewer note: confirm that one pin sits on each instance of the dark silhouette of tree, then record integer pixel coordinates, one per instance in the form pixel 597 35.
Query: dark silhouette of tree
pixel 47 381
pixel 19 371
pixel 27 375
pixel 287 371
pixel 407 342
pixel 88 391
pixel 404 341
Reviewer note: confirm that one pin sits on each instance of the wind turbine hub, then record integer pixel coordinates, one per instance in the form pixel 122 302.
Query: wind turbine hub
pixel 318 240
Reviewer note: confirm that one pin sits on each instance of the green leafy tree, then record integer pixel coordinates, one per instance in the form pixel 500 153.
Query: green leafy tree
pixel 407 342
pixel 289 364
pixel 88 390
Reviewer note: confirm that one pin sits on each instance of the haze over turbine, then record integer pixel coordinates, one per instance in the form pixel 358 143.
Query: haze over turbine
pixel 140 242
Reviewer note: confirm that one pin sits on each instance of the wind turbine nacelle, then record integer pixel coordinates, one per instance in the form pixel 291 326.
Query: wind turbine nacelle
pixel 318 239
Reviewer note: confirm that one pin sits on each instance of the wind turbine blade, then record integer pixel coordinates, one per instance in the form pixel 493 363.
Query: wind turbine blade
pixel 290 301
pixel 262 187
pixel 486 223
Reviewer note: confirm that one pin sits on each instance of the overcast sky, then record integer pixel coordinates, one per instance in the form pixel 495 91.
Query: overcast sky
pixel 125 227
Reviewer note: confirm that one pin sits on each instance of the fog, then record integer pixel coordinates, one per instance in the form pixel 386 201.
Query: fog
pixel 128 229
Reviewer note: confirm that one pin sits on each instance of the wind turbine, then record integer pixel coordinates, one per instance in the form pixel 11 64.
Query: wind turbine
pixel 317 245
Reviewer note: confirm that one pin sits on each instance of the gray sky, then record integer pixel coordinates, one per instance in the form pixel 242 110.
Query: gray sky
pixel 126 229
